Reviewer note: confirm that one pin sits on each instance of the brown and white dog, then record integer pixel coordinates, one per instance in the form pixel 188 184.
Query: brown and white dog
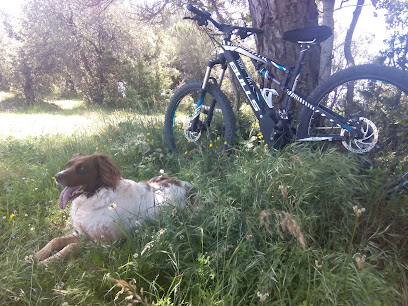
pixel 105 205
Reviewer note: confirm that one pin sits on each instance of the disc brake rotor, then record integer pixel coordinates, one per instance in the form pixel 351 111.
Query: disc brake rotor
pixel 364 144
pixel 191 136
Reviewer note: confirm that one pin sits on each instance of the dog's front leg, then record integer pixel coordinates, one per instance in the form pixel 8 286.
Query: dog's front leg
pixel 60 254
pixel 55 245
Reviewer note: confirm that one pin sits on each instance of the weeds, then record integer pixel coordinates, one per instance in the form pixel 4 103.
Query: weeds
pixel 266 227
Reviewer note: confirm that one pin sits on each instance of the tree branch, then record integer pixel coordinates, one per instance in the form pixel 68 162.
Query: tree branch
pixel 350 32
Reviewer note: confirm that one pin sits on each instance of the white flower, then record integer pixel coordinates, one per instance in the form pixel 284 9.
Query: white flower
pixel 318 264
pixel 358 210
pixel 147 247
pixel 161 232
pixel 262 296
pixel 112 206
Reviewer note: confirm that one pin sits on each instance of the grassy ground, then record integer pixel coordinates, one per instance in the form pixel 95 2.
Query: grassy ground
pixel 292 227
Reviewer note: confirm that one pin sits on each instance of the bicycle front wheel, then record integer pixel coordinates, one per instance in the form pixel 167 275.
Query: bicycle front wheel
pixel 373 98
pixel 216 122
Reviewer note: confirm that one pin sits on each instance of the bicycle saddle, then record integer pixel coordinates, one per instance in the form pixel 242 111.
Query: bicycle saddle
pixel 308 35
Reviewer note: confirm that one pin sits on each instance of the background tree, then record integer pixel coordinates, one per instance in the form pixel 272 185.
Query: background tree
pixel 222 11
pixel 397 24
pixel 326 53
pixel 349 36
pixel 347 48
pixel 89 47
pixel 81 48
pixel 190 55
pixel 7 44
pixel 158 11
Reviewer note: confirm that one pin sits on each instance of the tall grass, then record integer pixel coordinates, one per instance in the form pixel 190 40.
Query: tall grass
pixel 269 227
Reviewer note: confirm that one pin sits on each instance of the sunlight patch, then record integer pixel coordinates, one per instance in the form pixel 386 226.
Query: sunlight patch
pixel 4 95
pixel 24 125
pixel 67 104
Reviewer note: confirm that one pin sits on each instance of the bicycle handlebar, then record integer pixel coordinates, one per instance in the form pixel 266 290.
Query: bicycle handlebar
pixel 243 32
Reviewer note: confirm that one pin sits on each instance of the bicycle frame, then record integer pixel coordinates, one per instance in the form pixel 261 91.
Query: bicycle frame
pixel 268 117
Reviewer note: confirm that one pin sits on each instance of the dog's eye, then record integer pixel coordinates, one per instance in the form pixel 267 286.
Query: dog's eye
pixel 81 168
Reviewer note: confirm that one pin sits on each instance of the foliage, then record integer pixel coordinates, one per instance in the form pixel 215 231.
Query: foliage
pixel 397 21
pixel 194 52
pixel 73 48
pixel 157 11
pixel 239 242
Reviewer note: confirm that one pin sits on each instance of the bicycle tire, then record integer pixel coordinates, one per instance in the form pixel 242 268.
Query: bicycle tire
pixel 220 133
pixel 379 92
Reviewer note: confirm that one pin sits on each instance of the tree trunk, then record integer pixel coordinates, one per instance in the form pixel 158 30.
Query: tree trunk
pixel 326 52
pixel 276 17
pixel 350 32
pixel 28 84
pixel 347 51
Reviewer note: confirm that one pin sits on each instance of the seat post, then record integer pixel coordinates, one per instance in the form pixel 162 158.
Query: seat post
pixel 299 63
pixel 296 72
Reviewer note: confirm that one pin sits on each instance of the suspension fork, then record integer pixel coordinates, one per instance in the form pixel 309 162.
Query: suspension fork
pixel 212 106
pixel 195 120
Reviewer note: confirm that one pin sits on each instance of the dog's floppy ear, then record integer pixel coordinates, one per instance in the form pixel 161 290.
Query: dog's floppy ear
pixel 77 155
pixel 109 174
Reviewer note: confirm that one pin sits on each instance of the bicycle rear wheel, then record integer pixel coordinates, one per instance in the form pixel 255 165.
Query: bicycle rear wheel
pixel 376 97
pixel 216 126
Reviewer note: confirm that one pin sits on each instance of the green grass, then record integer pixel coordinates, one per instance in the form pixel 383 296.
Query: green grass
pixel 230 248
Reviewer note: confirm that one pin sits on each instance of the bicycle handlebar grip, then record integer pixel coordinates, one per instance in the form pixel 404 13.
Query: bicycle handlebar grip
pixel 197 11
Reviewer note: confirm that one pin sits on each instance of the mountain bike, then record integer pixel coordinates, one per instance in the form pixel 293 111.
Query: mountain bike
pixel 355 107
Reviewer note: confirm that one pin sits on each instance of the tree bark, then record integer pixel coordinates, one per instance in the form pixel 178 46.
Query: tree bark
pixel 276 17
pixel 29 92
pixel 347 51
pixel 326 47
pixel 350 32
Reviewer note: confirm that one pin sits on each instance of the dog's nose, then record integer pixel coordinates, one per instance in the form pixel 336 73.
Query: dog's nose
pixel 58 176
